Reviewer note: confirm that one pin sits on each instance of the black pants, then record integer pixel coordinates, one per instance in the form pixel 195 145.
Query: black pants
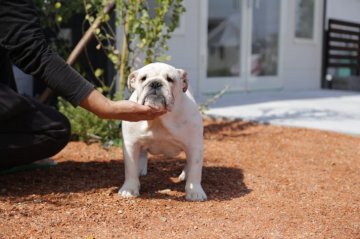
pixel 29 131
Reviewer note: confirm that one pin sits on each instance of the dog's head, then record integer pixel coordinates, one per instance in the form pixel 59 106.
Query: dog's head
pixel 158 85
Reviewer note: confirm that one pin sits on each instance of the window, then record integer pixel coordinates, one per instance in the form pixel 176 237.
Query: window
pixel 265 38
pixel 304 19
pixel 224 36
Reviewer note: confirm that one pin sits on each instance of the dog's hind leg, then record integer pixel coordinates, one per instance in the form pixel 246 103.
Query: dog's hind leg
pixel 182 176
pixel 143 164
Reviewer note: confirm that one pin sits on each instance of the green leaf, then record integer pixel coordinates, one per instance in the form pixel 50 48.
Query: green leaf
pixel 57 5
pixel 106 18
pixel 59 18
pixel 88 6
pixel 99 72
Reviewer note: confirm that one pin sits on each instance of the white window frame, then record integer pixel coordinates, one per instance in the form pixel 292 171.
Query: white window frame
pixel 245 82
pixel 315 34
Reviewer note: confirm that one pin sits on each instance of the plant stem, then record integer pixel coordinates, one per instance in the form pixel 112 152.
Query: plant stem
pixel 124 53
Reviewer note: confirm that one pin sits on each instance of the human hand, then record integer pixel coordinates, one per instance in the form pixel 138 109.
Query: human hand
pixel 131 111
pixel 121 110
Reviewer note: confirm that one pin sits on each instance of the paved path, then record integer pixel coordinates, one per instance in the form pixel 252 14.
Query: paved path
pixel 333 110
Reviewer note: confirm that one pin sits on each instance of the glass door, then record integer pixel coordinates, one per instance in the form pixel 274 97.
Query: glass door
pixel 241 45
pixel 224 45
pixel 265 22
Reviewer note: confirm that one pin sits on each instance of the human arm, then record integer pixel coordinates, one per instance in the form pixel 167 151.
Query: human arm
pixel 105 108
pixel 23 39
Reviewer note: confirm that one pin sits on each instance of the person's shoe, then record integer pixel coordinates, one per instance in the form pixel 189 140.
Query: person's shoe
pixel 45 162
pixel 42 163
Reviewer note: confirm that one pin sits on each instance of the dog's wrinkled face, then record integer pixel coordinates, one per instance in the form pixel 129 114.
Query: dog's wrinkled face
pixel 158 85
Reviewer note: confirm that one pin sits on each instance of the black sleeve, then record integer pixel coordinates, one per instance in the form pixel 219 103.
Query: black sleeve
pixel 23 38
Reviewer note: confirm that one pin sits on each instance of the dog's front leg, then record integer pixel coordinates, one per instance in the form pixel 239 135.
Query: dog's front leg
pixel 131 185
pixel 193 188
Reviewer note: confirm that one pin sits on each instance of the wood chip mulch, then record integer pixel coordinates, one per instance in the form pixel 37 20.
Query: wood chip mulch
pixel 262 182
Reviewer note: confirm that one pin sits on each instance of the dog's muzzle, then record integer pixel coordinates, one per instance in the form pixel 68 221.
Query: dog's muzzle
pixel 154 94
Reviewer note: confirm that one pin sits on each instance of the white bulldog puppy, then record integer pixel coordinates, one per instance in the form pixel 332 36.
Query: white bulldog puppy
pixel 162 86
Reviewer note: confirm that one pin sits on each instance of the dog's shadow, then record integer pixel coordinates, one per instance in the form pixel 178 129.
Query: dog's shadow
pixel 220 183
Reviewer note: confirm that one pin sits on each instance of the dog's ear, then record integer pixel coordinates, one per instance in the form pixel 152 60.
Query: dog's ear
pixel 131 81
pixel 184 79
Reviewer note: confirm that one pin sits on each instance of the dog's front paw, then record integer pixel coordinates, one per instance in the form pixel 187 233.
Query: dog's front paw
pixel 194 192
pixel 130 189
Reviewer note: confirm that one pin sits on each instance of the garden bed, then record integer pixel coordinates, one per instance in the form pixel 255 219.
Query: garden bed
pixel 262 182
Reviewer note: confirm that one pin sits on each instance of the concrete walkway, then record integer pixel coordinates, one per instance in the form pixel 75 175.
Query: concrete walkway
pixel 331 110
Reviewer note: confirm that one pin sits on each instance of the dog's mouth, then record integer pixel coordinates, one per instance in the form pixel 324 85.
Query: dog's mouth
pixel 154 100
pixel 160 98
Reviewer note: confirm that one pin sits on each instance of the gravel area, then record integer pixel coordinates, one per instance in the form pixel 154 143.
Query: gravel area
pixel 262 182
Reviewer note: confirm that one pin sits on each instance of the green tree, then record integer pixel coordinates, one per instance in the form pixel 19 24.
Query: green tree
pixel 145 27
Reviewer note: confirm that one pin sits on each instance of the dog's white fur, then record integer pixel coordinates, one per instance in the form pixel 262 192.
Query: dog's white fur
pixel 180 129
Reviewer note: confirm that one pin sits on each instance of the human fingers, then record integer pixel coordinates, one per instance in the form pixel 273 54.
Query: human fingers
pixel 153 113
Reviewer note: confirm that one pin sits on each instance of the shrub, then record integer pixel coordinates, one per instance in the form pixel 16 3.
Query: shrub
pixel 144 39
pixel 87 127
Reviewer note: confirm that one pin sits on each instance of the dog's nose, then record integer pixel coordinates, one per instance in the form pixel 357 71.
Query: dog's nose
pixel 156 85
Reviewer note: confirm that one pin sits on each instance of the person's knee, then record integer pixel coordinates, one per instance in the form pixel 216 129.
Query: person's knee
pixel 63 133
pixel 58 134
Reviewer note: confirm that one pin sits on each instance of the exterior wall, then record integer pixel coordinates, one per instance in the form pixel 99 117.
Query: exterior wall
pixel 300 66
pixel 348 10
pixel 185 44
pixel 302 59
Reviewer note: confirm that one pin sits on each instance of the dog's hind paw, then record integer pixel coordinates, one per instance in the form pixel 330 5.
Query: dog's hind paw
pixel 143 171
pixel 182 176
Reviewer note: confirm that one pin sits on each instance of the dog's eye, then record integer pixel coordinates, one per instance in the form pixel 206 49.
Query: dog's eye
pixel 169 79
pixel 143 78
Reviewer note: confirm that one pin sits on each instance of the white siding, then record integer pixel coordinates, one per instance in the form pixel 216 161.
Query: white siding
pixel 348 10
pixel 301 61
pixel 184 44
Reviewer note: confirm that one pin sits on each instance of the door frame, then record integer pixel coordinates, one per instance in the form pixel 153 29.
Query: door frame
pixel 244 82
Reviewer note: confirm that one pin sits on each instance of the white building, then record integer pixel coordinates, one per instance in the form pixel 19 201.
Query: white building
pixel 254 45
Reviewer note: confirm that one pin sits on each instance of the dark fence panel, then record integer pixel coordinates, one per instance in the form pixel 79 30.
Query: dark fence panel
pixel 342 52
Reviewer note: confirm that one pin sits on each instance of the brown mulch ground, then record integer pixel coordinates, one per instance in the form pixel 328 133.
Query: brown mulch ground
pixel 262 182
